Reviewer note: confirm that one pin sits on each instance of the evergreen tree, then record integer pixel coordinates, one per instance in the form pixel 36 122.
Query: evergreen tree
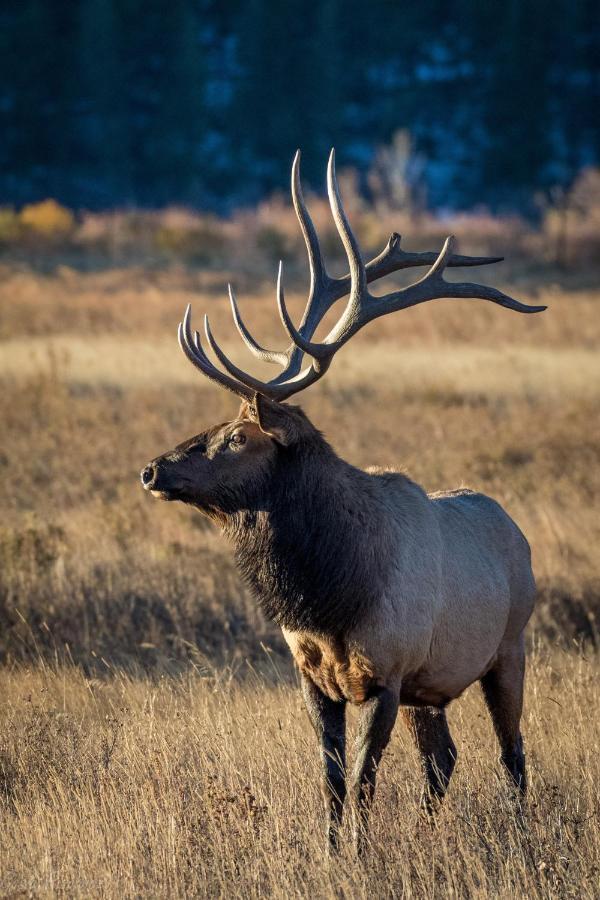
pixel 102 151
pixel 108 102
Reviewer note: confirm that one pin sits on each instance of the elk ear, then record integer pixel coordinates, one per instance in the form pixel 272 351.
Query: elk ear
pixel 274 419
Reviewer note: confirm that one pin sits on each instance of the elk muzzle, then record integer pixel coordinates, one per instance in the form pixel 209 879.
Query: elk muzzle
pixel 157 479
pixel 148 475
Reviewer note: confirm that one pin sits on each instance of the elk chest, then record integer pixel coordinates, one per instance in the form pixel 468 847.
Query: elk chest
pixel 339 671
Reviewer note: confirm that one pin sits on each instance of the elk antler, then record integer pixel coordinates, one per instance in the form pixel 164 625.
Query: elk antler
pixel 362 307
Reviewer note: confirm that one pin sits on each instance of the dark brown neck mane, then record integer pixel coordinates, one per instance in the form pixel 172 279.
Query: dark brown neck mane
pixel 310 547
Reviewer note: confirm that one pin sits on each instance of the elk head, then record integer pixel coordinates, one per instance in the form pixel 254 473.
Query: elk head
pixel 227 467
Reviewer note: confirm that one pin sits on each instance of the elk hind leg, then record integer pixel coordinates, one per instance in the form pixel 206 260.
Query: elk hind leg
pixel 503 692
pixel 429 729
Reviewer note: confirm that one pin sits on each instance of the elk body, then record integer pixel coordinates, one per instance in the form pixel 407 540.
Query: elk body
pixel 389 598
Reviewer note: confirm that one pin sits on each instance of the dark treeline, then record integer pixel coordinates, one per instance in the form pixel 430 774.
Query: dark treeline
pixel 115 102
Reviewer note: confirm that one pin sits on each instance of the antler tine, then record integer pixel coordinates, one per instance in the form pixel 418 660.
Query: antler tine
pixel 318 301
pixel 431 287
pixel 355 313
pixel 318 276
pixel 321 294
pixel 317 351
pixel 323 351
pixel 244 384
pixel 197 356
pixel 361 308
pixel 269 356
pixel 437 269
pixel 291 379
pixel 393 258
pixel 358 274
pixel 249 381
pixel 324 290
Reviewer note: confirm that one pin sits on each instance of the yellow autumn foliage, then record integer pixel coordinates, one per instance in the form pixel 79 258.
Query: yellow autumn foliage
pixel 47 218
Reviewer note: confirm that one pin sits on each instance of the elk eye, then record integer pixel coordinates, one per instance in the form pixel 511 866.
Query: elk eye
pixel 237 439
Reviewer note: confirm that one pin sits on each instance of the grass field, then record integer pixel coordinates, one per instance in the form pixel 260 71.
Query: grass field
pixel 151 739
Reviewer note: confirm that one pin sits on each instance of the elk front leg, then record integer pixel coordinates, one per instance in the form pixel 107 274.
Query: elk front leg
pixel 377 718
pixel 328 720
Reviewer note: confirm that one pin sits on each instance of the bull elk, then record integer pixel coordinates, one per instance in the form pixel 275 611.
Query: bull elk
pixel 388 597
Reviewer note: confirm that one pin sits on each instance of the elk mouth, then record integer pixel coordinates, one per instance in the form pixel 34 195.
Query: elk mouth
pixel 167 494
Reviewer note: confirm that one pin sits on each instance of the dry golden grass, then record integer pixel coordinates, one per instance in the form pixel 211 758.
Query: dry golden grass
pixel 201 785
pixel 151 740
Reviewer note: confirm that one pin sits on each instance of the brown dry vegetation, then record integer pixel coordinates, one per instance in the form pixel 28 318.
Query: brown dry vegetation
pixel 151 741
pixel 201 785
pixel 567 232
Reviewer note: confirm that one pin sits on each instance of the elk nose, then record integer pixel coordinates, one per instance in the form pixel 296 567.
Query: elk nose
pixel 148 475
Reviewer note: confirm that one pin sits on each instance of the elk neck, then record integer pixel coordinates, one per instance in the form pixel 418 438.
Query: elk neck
pixel 311 549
